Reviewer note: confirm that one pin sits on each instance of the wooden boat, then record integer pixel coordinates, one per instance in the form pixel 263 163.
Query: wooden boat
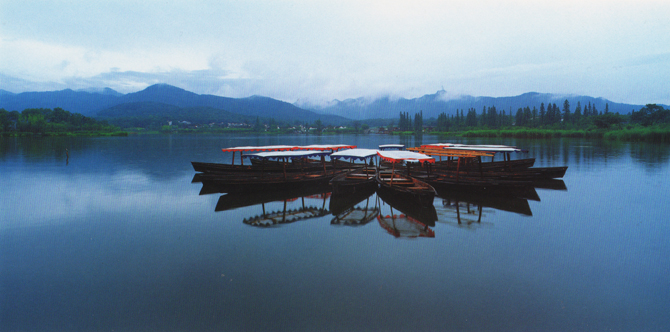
pixel 361 178
pixel 526 174
pixel 425 213
pixel 395 183
pixel 260 181
pixel 479 173
pixel 357 180
pixel 475 184
pixel 452 151
pixel 476 164
pixel 300 165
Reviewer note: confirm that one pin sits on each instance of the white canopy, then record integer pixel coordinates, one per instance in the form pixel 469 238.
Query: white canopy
pixel 489 148
pixel 287 154
pixel 355 153
pixel 260 148
pixel 333 147
pixel 396 156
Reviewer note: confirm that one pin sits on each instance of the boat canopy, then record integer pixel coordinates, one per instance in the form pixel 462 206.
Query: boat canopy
pixel 260 148
pixel 487 148
pixel 333 147
pixel 392 147
pixel 449 152
pixel 409 156
pixel 287 154
pixel 355 154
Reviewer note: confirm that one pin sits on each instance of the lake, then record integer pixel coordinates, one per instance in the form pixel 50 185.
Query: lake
pixel 113 235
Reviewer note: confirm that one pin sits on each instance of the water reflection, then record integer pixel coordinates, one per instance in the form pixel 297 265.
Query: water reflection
pixel 348 211
pixel 467 209
pixel 424 214
pixel 398 217
pixel 504 202
pixel 289 215
pixel 238 200
pixel 302 204
pixel 404 220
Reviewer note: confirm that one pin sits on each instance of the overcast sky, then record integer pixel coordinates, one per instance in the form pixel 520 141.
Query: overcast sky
pixel 315 51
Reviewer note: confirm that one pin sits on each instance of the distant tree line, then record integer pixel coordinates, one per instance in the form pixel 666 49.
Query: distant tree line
pixel 406 123
pixel 44 120
pixel 549 116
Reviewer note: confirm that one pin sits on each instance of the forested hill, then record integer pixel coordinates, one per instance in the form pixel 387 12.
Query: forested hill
pixel 92 103
pixel 433 105
pixel 145 114
pixel 82 102
pixel 251 106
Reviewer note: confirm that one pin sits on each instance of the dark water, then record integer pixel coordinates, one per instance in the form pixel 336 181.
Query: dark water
pixel 117 238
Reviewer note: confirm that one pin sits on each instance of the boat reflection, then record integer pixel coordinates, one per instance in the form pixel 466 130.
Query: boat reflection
pixel 398 217
pixel 401 225
pixel 238 200
pixel 466 209
pixel 553 184
pixel 298 204
pixel 509 203
pixel 403 219
pixel 354 209
pixel 286 215
pixel 423 213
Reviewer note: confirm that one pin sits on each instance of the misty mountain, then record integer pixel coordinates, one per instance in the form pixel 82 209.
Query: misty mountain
pixel 94 102
pixel 434 104
pixel 103 91
pixel 166 112
pixel 83 102
pixel 251 106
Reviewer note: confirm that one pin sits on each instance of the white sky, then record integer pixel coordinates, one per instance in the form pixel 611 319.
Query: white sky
pixel 316 51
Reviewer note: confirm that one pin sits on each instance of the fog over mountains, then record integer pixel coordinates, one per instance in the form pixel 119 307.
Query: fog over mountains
pixel 109 103
pixel 434 104
pixel 106 102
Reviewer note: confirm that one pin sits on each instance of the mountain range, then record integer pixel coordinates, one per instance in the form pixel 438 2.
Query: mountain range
pixel 173 100
pixel 433 104
pixel 109 103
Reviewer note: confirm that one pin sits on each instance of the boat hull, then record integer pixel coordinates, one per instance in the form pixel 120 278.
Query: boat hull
pixel 406 188
pixel 266 182
pixel 360 180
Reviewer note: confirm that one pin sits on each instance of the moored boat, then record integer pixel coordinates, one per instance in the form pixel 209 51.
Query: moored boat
pixel 476 163
pixel 259 180
pixel 361 178
pixel 398 184
pixel 299 164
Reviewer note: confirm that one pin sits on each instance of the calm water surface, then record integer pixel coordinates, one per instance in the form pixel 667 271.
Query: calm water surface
pixel 117 237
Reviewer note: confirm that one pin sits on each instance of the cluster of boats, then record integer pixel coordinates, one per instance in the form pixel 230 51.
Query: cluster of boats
pixel 407 180
pixel 410 175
